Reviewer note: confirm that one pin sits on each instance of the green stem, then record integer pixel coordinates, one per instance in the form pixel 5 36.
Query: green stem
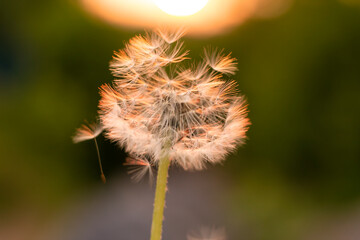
pixel 159 202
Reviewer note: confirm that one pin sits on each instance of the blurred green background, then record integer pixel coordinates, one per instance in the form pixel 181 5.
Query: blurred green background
pixel 299 71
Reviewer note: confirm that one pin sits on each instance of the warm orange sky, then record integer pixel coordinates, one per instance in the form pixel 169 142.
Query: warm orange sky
pixel 217 16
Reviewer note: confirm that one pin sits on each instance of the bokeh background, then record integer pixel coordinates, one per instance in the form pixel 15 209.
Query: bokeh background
pixel 296 178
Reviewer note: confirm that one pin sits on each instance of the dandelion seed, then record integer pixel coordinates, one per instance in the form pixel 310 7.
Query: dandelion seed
pixel 170 36
pixel 138 168
pixel 208 234
pixel 156 101
pixel 220 62
pixel 87 132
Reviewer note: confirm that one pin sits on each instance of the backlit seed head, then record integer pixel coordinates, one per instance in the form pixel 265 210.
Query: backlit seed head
pixel 157 106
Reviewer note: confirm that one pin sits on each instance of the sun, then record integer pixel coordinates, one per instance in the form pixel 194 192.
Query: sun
pixel 181 7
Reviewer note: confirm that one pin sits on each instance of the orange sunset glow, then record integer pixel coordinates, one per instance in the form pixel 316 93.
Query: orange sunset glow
pixel 200 18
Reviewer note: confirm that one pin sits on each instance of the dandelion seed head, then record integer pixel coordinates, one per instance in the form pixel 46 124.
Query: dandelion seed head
pixel 156 102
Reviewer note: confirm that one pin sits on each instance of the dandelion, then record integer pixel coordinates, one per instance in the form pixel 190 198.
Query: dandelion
pixel 159 109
